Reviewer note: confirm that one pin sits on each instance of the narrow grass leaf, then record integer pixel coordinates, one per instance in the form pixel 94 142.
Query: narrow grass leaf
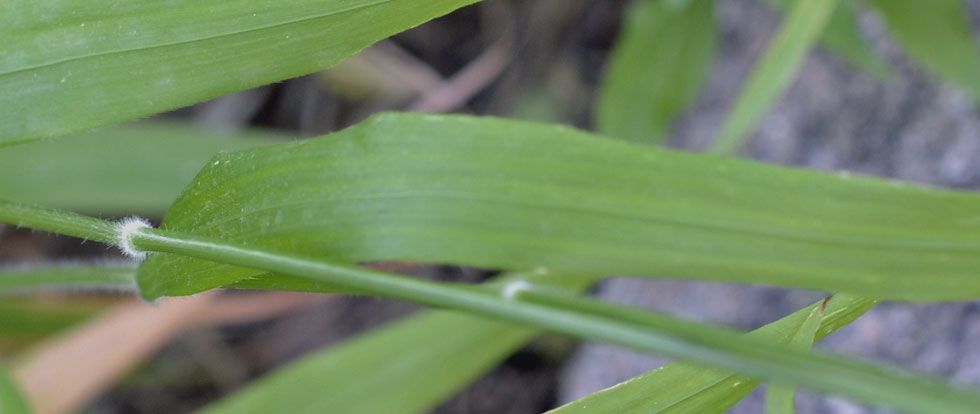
pixel 938 36
pixel 577 317
pixel 136 168
pixel 843 36
pixel 687 388
pixel 657 68
pixel 589 319
pixel 67 278
pixel 801 28
pixel 33 318
pixel 11 400
pixel 779 397
pixel 513 195
pixel 67 66
pixel 409 366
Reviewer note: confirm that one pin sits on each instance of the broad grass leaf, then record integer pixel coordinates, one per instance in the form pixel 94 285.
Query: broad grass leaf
pixel 513 195
pixel 657 68
pixel 687 388
pixel 67 66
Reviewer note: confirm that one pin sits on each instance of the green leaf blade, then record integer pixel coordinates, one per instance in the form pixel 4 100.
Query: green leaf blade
pixel 843 36
pixel 68 67
pixel 589 319
pixel 11 400
pixel 26 319
pixel 407 366
pixel 517 196
pixel 581 318
pixel 686 388
pixel 779 397
pixel 655 72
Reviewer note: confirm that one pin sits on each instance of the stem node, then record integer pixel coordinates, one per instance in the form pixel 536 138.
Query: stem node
pixel 126 229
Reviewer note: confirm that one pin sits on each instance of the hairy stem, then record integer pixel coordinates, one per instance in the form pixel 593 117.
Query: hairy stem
pixel 576 317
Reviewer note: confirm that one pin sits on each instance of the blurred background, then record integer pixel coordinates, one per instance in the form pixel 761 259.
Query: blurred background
pixel 540 60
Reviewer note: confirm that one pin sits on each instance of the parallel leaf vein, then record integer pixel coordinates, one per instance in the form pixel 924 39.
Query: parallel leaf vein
pixel 200 39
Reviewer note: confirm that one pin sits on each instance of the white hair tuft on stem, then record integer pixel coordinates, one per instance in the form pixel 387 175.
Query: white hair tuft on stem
pixel 511 289
pixel 127 227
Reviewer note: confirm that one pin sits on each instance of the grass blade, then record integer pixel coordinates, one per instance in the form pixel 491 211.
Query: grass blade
pixel 801 28
pixel 922 25
pixel 686 388
pixel 11 400
pixel 110 277
pixel 779 397
pixel 67 68
pixel 25 320
pixel 147 167
pixel 842 35
pixel 516 196
pixel 588 319
pixel 409 366
pixel 665 50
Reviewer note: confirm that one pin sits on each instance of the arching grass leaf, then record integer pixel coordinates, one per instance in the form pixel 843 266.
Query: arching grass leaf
pixel 67 66
pixel 779 397
pixel 408 366
pixel 512 195
pixel 686 388
pixel 555 310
